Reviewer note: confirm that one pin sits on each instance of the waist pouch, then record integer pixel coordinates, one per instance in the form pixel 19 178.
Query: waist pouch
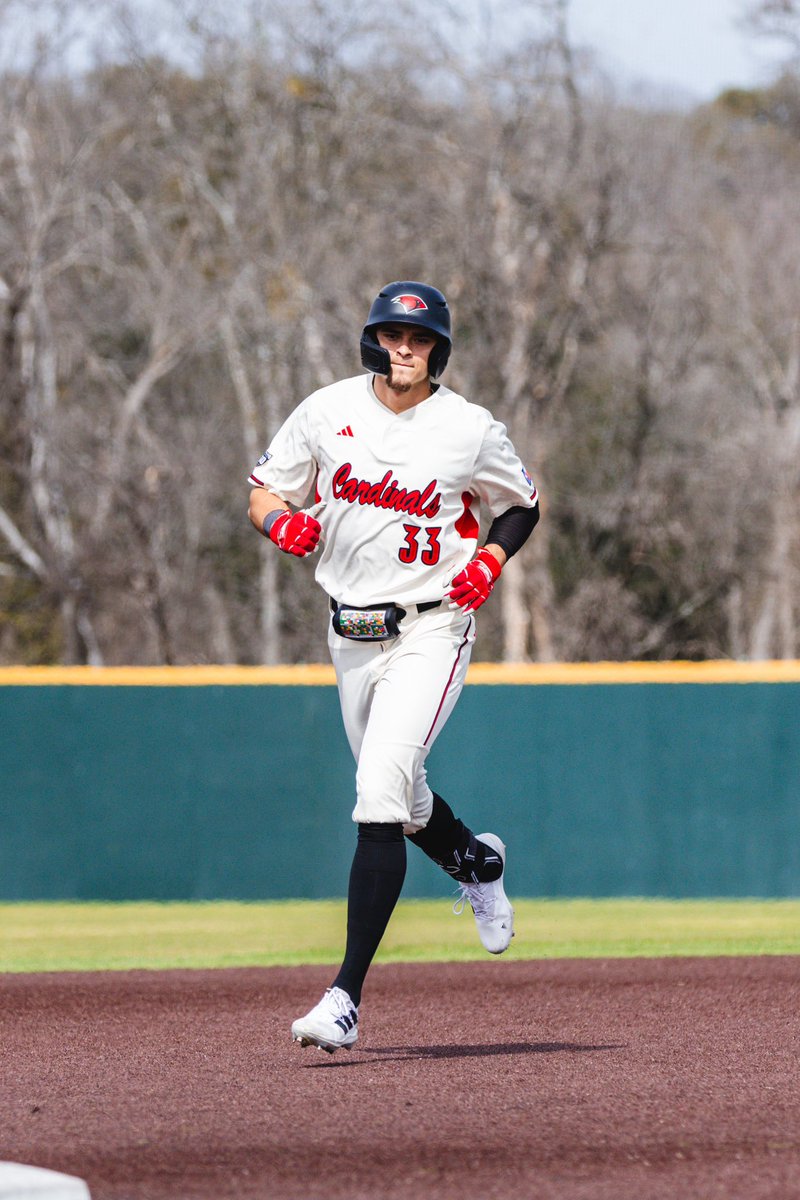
pixel 377 624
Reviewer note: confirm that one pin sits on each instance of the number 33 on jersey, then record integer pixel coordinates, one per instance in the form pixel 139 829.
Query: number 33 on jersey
pixel 400 493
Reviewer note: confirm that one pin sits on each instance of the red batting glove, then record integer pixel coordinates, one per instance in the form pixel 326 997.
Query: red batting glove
pixel 472 586
pixel 295 533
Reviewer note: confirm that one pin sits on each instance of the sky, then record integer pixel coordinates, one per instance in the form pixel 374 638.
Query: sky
pixel 683 51
pixel 681 46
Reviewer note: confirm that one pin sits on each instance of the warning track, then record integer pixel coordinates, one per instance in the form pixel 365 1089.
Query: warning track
pixel 570 1079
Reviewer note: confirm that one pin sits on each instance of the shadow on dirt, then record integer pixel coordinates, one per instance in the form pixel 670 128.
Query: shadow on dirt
pixel 408 1053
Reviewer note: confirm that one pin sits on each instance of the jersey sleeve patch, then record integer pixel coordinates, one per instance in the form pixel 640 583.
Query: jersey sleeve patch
pixel 265 457
pixel 531 484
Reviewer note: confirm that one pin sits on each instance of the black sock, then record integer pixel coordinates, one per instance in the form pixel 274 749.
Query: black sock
pixel 455 848
pixel 376 879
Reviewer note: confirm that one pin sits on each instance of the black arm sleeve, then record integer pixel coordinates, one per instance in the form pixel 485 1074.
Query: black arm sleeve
pixel 513 528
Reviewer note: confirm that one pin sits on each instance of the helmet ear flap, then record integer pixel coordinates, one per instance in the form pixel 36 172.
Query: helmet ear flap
pixel 438 358
pixel 374 357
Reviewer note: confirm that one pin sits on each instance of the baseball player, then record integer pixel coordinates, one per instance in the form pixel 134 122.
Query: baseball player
pixel 399 467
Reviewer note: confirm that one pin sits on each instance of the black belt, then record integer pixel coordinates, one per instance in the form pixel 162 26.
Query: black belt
pixel 421 608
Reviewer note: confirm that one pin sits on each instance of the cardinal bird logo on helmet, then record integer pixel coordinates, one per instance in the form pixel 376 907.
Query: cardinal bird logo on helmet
pixel 409 303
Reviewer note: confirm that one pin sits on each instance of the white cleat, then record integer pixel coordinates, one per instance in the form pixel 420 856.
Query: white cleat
pixel 331 1024
pixel 494 915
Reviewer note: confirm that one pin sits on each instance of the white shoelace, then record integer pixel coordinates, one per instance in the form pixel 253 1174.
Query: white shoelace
pixel 482 904
pixel 338 1002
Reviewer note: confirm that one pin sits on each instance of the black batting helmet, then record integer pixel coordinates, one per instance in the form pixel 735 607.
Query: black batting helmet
pixel 407 303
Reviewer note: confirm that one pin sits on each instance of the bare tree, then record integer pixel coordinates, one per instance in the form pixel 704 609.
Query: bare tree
pixel 189 242
pixel 774 19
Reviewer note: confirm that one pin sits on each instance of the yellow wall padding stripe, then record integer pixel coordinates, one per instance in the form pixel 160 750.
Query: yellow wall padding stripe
pixel 723 671
pixel 199 676
pixel 479 673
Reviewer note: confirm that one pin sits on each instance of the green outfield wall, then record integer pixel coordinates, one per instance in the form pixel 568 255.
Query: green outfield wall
pixel 657 780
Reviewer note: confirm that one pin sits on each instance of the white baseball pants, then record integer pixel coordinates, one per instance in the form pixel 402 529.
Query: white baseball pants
pixel 396 697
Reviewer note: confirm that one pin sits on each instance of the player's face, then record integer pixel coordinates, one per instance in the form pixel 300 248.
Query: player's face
pixel 409 350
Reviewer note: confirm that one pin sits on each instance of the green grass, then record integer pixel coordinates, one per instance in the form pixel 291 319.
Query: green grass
pixel 93 936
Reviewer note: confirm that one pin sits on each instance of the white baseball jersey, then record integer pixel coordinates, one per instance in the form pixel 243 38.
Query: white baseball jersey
pixel 402 492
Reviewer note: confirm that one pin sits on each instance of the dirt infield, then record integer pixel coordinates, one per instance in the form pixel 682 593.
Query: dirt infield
pixel 635 1079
